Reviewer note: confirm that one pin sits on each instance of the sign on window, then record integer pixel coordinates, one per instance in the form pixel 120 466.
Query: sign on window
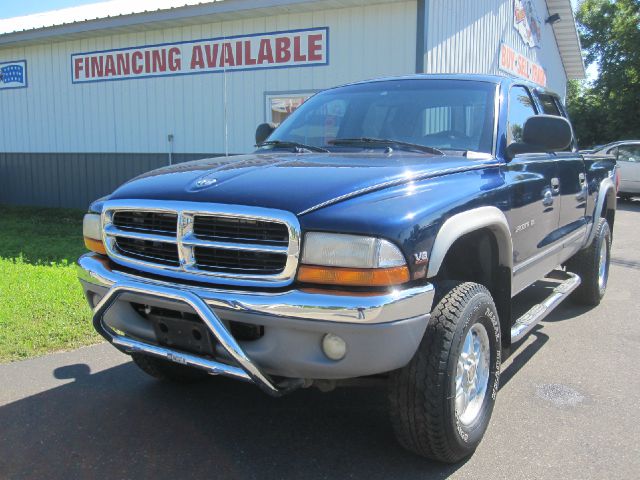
pixel 280 106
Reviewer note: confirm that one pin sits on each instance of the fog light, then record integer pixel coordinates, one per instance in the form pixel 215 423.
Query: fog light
pixel 334 347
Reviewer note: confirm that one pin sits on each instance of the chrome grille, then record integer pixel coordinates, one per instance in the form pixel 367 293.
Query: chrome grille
pixel 227 244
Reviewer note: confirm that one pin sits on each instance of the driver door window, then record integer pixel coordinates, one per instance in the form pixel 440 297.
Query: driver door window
pixel 520 108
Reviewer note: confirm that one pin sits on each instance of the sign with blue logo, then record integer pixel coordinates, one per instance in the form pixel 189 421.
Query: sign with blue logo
pixel 13 74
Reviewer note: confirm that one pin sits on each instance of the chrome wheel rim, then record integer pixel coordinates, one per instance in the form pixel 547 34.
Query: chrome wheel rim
pixel 603 266
pixel 472 374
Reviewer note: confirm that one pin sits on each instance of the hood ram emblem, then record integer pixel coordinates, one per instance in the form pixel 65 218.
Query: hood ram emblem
pixel 206 181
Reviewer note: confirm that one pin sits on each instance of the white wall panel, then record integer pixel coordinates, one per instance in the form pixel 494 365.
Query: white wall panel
pixel 135 116
pixel 464 36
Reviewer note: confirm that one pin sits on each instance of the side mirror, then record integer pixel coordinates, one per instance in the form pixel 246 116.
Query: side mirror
pixel 541 134
pixel 263 131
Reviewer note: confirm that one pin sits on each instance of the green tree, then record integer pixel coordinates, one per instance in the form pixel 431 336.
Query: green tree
pixel 609 108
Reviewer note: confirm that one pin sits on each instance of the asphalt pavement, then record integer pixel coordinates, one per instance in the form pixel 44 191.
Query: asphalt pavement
pixel 568 408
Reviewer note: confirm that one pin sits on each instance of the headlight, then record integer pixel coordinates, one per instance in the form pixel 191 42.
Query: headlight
pixel 339 259
pixel 92 233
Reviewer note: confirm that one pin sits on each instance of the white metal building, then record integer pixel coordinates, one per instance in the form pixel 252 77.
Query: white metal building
pixel 93 95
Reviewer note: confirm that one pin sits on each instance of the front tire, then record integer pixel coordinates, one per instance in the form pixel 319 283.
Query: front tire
pixel 592 265
pixel 442 401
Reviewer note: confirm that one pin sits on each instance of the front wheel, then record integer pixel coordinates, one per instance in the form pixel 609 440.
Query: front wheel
pixel 442 401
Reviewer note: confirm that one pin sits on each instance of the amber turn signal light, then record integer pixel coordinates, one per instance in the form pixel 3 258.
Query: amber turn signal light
pixel 355 277
pixel 95 245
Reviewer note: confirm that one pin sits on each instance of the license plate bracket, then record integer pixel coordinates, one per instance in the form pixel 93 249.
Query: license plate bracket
pixel 191 336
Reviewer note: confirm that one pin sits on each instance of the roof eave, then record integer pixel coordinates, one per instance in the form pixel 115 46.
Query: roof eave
pixel 567 38
pixel 160 18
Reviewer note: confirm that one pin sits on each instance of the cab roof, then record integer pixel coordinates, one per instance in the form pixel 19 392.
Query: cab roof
pixel 503 80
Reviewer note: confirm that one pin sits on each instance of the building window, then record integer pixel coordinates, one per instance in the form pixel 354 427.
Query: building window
pixel 280 106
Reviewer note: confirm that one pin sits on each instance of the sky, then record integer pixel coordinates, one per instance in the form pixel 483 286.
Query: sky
pixel 16 8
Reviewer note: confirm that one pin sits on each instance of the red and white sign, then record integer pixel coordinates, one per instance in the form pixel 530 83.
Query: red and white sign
pixel 294 48
pixel 520 66
pixel 527 22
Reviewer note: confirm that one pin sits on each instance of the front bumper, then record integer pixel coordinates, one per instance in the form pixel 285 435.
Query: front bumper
pixel 382 330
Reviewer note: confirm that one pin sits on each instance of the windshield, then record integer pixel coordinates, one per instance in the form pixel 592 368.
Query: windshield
pixel 442 114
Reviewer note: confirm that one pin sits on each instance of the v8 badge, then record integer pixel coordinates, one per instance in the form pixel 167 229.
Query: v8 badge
pixel 420 257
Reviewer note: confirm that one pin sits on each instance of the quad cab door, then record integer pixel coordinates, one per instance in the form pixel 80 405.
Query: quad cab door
pixel 534 196
pixel 573 188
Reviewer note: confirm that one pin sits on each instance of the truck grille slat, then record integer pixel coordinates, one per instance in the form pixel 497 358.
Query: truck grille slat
pixel 240 230
pixel 226 242
pixel 164 253
pixel 150 222
pixel 211 258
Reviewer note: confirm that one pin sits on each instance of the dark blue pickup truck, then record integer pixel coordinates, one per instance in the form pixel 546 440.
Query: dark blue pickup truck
pixel 383 230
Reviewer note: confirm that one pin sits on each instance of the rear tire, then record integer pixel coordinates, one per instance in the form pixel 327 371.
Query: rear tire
pixel 168 371
pixel 592 265
pixel 428 396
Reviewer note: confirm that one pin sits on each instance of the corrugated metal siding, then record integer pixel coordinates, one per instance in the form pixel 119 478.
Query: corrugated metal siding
pixel 73 180
pixel 135 116
pixel 464 36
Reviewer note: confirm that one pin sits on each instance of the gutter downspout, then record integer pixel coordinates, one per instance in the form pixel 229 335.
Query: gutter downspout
pixel 422 14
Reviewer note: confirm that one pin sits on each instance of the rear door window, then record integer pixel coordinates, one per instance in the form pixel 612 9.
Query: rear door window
pixel 549 104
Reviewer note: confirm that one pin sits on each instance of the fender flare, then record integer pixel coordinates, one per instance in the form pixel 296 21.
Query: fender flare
pixel 463 223
pixel 606 186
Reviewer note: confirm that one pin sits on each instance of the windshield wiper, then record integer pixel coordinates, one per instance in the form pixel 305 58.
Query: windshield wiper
pixel 385 142
pixel 298 146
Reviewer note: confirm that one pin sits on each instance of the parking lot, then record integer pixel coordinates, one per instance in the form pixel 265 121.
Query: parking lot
pixel 568 408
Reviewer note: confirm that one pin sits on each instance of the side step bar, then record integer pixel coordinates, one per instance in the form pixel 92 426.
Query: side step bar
pixel 535 314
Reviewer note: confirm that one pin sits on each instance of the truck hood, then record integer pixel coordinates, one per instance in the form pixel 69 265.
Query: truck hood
pixel 298 183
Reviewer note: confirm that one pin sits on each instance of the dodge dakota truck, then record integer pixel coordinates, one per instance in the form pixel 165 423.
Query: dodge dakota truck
pixel 381 233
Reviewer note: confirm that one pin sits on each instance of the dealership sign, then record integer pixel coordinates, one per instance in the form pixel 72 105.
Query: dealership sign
pixel 527 22
pixel 287 49
pixel 518 65
pixel 13 74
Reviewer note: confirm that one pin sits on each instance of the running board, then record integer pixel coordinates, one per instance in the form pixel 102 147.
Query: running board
pixel 535 314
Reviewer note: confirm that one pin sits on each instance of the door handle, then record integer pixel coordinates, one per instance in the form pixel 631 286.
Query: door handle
pixel 582 195
pixel 547 198
pixel 582 179
pixel 555 185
